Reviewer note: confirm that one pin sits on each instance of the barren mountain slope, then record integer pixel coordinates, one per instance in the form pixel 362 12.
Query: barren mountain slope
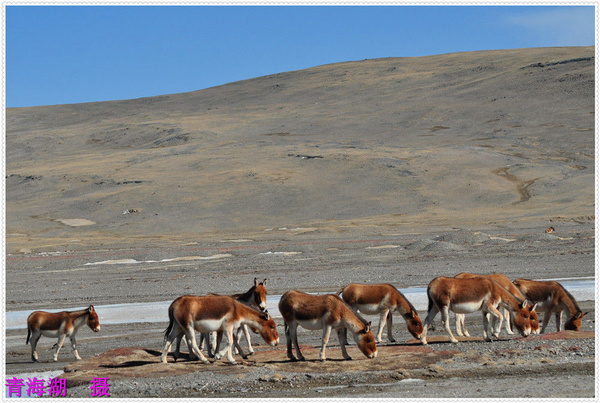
pixel 463 139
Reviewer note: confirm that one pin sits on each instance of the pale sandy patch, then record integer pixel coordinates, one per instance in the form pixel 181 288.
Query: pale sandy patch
pixel 75 222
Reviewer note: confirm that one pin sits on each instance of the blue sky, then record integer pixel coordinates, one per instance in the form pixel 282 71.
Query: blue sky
pixel 73 54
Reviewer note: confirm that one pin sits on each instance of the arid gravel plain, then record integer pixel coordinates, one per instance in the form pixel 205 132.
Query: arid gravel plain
pixel 392 170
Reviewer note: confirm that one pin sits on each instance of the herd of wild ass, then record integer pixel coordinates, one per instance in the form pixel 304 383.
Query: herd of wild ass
pixel 499 299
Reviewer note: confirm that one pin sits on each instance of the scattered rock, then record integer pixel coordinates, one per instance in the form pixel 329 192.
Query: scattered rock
pixel 400 374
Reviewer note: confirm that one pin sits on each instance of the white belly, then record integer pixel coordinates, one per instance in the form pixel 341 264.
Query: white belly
pixel 208 325
pixel 466 307
pixel 314 324
pixel 50 333
pixel 369 309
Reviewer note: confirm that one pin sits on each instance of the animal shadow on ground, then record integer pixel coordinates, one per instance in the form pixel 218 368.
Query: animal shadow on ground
pixel 136 363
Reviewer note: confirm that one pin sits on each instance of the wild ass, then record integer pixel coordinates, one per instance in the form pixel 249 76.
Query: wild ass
pixel 505 282
pixel 255 297
pixel 551 297
pixel 473 294
pixel 60 324
pixel 382 299
pixel 212 314
pixel 325 312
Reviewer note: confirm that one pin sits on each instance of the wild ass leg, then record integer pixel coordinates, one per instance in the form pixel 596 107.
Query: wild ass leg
pixel 445 311
pixel 382 321
pixel 178 346
pixel 61 340
pixel 191 338
pixel 547 315
pixel 343 341
pixel 35 337
pixel 74 346
pixel 507 324
pixel 247 334
pixel 326 334
pixel 487 330
pixel 389 327
pixel 558 317
pixel 291 334
pixel 461 329
pixel 429 319
pixel 227 349
pixel 175 331
pixel 236 344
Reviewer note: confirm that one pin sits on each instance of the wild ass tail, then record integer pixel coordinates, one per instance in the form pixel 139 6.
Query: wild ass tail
pixel 171 323
pixel 430 302
pixel 28 335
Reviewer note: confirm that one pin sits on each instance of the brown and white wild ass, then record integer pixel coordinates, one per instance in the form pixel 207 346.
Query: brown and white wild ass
pixel 382 299
pixel 212 314
pixel 60 324
pixel 551 297
pixel 325 312
pixel 255 297
pixel 505 282
pixel 466 295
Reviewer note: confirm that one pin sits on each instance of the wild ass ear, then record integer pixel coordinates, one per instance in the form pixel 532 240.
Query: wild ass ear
pixel 264 282
pixel 265 314
pixel 368 327
pixel 524 304
pixel 580 315
pixel 533 307
pixel 91 308
pixel 255 281
pixel 412 314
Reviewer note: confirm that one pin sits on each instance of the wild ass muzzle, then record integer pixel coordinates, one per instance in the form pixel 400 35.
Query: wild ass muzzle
pixel 60 324
pixel 326 312
pixel 551 297
pixel 470 295
pixel 382 299
pixel 255 297
pixel 191 313
pixel 505 282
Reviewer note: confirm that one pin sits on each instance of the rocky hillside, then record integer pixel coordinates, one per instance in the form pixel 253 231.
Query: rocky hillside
pixel 466 139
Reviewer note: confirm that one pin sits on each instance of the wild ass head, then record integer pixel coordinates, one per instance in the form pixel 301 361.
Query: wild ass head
pixel 268 330
pixel 413 323
pixel 574 323
pixel 260 294
pixel 366 341
pixel 521 318
pixel 92 321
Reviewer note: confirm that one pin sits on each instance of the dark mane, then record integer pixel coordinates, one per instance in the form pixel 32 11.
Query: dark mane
pixel 412 307
pixel 247 296
pixel 572 298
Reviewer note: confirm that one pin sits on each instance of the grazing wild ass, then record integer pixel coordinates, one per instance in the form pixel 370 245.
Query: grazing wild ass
pixel 466 295
pixel 382 299
pixel 255 297
pixel 551 297
pixel 61 325
pixel 505 282
pixel 325 312
pixel 212 314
